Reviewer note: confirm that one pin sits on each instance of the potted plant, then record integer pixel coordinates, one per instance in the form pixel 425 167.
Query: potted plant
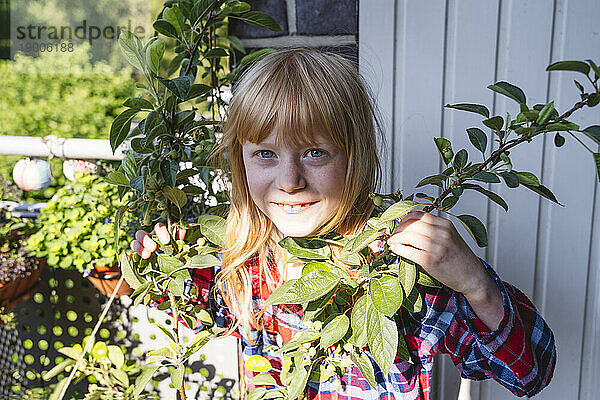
pixel 19 270
pixel 76 231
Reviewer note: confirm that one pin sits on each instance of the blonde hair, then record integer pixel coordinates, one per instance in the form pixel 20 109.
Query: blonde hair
pixel 295 90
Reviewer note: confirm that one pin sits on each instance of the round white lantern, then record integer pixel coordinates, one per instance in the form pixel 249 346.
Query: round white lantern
pixel 32 175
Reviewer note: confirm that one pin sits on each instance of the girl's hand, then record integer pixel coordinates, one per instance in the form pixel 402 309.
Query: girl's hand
pixel 433 243
pixel 145 246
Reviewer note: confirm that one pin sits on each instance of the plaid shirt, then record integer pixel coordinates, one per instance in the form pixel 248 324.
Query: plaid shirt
pixel 520 354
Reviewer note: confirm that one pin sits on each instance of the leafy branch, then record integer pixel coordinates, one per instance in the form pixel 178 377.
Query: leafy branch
pixel 352 300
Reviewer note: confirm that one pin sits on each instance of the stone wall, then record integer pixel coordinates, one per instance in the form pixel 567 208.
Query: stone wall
pixel 324 24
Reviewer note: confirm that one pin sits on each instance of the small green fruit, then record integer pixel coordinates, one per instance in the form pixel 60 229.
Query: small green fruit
pixel 377 200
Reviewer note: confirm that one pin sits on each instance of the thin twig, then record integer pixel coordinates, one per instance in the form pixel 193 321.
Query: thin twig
pixel 90 339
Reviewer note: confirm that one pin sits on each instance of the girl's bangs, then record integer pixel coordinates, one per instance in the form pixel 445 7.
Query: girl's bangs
pixel 291 105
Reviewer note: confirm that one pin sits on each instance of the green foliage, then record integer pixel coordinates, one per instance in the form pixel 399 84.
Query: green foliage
pixel 76 230
pixel 170 134
pixel 381 283
pixel 104 366
pixel 59 94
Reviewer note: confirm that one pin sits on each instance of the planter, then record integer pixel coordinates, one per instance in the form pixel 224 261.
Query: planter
pixel 16 291
pixel 105 279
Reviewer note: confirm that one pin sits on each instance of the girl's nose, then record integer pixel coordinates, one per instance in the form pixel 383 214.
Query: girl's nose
pixel 290 177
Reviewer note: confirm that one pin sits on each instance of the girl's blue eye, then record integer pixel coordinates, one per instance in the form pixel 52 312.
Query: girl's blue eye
pixel 316 153
pixel 265 153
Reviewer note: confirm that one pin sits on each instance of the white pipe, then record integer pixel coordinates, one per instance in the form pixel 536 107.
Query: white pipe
pixel 81 149
pixel 465 389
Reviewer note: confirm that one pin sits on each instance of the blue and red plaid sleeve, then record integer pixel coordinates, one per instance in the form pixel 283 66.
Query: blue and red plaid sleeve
pixel 520 354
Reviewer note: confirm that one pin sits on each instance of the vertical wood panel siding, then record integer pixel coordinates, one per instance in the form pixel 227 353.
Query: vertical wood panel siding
pixel 439 52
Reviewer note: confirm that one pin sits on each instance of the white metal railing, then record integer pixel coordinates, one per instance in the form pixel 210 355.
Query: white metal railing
pixel 90 149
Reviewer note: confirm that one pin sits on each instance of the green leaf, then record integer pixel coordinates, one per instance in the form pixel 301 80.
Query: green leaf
pixel 593 132
pixel 398 210
pixel 315 266
pixel 213 228
pixel 577 66
pixel 216 52
pixel 70 352
pixel 298 384
pixel 491 195
pixel 127 269
pixel 474 108
pixel 168 264
pixel 138 103
pixel 597 163
pixel 402 350
pixel 449 202
pixel 177 376
pixel 263 379
pixel 257 394
pixel 362 240
pixel 307 288
pixel 485 176
pixel 386 294
pixel 120 127
pixel 164 27
pixel 179 86
pixel 200 8
pixel 382 336
pixel 558 140
pixel 197 89
pixel 174 17
pixel 414 301
pixel 334 331
pixel 407 274
pixel 255 56
pixel 496 123
pixel 475 228
pixel 579 86
pixel 130 47
pixel 177 196
pixel 257 363
pixel 260 19
pixel 593 99
pixel 445 149
pixel 460 160
pixel 120 377
pixel 545 113
pixel 57 369
pixel 543 191
pixel 478 138
pixel 142 380
pixel 154 54
pixel 433 179
pixel 362 361
pixel 562 126
pixel 527 178
pixel 115 355
pixel 510 91
pixel 202 261
pixel 594 67
pixel 358 319
pixel 511 179
pixel 117 178
pixel 306 248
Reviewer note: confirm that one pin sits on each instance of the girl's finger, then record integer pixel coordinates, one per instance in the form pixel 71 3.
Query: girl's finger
pixel 415 255
pixel 136 246
pixel 145 240
pixel 414 239
pixel 145 254
pixel 162 233
pixel 181 233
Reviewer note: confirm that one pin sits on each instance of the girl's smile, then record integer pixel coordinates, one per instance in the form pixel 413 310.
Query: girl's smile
pixel 298 187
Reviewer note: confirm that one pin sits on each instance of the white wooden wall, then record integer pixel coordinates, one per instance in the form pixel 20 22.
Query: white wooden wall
pixel 420 55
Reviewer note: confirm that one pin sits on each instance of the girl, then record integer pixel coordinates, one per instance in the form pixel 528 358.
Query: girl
pixel 300 144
